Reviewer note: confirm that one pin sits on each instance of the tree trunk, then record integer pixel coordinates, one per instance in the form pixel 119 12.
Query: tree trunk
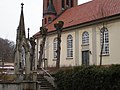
pixel 58 27
pixel 102 46
pixel 58 49
pixel 41 50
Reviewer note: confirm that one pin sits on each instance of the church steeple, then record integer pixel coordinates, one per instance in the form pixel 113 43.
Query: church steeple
pixel 53 8
pixel 49 13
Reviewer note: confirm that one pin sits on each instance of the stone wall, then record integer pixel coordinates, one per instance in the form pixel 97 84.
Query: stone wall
pixel 19 86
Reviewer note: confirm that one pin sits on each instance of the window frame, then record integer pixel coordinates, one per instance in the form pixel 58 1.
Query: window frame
pixel 45 21
pixel 105 50
pixel 69 46
pixel 55 48
pixel 85 38
pixel 71 3
pixel 49 19
pixel 63 4
pixel 67 3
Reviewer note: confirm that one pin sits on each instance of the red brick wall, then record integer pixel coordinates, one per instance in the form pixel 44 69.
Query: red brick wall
pixel 58 8
pixel 45 3
pixel 58 5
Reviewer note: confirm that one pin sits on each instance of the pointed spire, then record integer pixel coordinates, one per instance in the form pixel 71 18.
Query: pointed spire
pixel 21 26
pixel 22 5
pixel 51 8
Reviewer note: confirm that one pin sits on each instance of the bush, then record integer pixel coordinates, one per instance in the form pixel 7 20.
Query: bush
pixel 89 78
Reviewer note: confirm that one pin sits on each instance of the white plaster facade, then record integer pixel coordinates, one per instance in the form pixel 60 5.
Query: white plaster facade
pixel 94 46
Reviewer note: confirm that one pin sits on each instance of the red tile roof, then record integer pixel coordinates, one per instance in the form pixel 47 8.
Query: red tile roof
pixel 86 12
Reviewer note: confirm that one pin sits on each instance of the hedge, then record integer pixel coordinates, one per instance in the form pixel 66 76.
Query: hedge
pixel 89 78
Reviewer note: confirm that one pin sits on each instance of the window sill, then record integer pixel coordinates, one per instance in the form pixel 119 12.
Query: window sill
pixel 105 54
pixel 54 59
pixel 85 45
pixel 69 58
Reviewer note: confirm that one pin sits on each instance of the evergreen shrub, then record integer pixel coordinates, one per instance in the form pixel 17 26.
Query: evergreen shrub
pixel 89 78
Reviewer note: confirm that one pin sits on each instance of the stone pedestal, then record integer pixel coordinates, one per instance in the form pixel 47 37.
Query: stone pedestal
pixel 34 75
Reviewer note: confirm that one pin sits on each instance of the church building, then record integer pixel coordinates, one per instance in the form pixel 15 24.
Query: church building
pixel 88 28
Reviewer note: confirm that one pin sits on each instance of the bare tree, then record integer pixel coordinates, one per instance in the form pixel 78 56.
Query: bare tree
pixel 43 32
pixel 6 50
pixel 102 43
pixel 32 53
pixel 58 27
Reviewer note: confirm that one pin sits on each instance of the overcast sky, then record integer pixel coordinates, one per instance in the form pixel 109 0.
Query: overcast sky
pixel 10 15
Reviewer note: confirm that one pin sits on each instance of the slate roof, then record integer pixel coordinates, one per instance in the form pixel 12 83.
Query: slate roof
pixel 87 12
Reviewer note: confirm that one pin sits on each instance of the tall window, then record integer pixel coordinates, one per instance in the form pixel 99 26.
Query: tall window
pixel 69 46
pixel 71 3
pixel 63 4
pixel 85 38
pixel 104 40
pixel 67 3
pixel 55 47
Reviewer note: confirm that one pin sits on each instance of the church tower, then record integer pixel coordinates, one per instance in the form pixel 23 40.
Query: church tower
pixel 53 8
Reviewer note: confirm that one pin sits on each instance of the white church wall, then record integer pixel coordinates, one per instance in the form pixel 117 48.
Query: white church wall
pixel 50 53
pixel 51 60
pixel 94 46
pixel 114 37
pixel 85 47
pixel 66 61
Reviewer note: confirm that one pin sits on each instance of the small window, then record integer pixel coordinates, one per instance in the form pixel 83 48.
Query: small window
pixel 85 38
pixel 69 46
pixel 49 20
pixel 55 47
pixel 104 36
pixel 45 20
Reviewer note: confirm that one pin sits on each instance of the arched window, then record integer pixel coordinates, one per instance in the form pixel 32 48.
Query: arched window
pixel 55 47
pixel 49 19
pixel 69 46
pixel 45 20
pixel 104 39
pixel 85 38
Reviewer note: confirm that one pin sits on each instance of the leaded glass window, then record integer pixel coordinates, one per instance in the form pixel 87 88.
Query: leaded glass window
pixel 69 46
pixel 85 38
pixel 55 47
pixel 104 40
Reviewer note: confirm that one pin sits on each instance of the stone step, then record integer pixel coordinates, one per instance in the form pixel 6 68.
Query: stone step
pixel 44 84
